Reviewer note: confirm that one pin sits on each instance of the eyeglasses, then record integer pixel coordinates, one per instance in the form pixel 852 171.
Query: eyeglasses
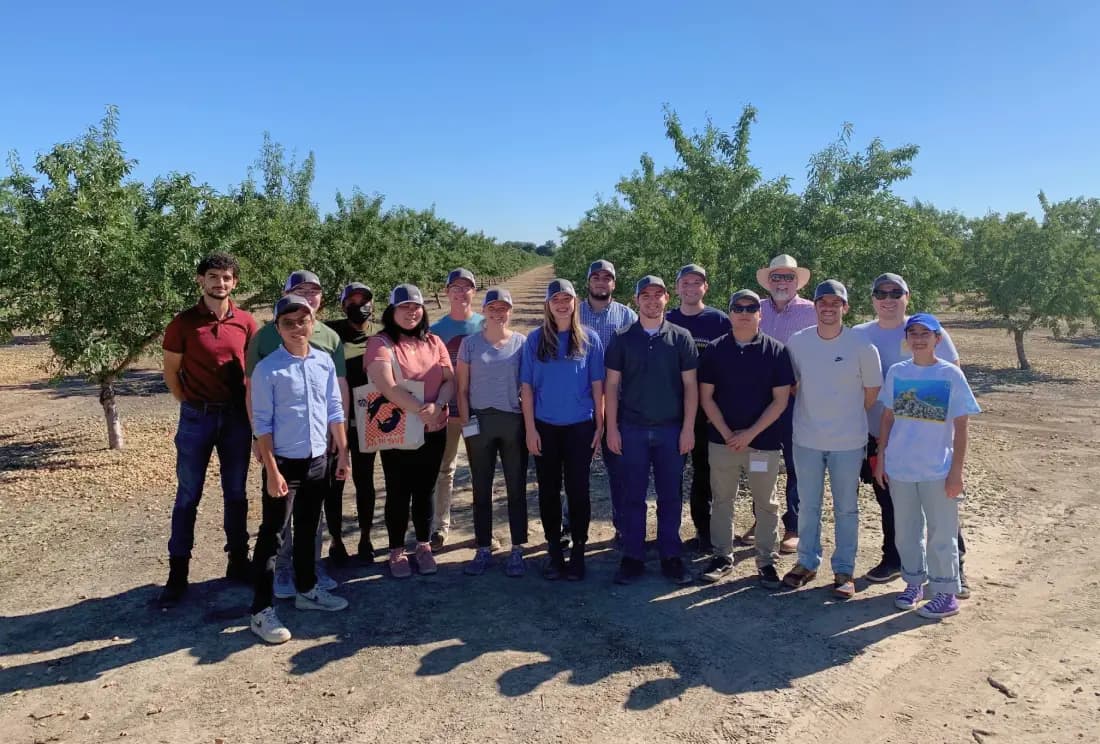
pixel 745 308
pixel 893 294
pixel 463 288
pixel 776 277
pixel 306 291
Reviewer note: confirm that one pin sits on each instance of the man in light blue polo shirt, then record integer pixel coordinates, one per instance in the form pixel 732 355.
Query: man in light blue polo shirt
pixel 296 407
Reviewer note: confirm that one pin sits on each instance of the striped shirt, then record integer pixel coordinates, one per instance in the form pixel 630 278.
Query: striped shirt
pixel 605 322
pixel 782 324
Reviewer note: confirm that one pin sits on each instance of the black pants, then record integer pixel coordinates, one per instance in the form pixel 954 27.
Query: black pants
pixel 886 508
pixel 410 481
pixel 700 480
pixel 306 480
pixel 566 451
pixel 362 475
pixel 501 433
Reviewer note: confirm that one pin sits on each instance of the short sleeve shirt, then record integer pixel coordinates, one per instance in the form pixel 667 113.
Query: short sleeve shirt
pixel 925 401
pixel 213 349
pixel 267 340
pixel 424 361
pixel 652 387
pixel 704 327
pixel 892 348
pixel 451 332
pixel 832 374
pixel 562 386
pixel 494 371
pixel 743 378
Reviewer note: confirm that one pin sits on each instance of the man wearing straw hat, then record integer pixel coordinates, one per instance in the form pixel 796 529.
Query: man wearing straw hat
pixel 783 314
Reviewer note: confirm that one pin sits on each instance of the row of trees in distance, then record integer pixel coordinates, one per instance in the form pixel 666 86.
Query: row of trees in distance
pixel 714 208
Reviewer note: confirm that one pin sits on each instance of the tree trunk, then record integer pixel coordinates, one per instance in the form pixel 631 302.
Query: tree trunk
pixel 115 439
pixel 1021 355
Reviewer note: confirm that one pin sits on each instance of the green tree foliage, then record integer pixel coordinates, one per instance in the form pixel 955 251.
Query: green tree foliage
pixel 1029 274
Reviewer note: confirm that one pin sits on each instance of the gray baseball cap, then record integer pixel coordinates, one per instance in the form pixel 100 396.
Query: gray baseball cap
pixel 831 287
pixel 354 287
pixel 289 304
pixel 497 294
pixel 649 280
pixel 300 277
pixel 601 265
pixel 889 278
pixel 457 274
pixel 691 268
pixel 403 293
pixel 744 294
pixel 558 286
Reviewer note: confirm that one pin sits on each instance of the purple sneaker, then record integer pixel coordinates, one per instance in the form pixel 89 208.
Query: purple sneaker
pixel 908 599
pixel 942 605
pixel 515 567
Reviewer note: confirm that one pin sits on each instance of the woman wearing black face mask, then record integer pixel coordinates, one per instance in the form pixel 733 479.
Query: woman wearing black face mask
pixel 354 331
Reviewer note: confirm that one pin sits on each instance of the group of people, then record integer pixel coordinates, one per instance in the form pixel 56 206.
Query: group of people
pixel 772 383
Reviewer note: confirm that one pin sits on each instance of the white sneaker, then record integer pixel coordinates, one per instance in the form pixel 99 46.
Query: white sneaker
pixel 267 625
pixel 324 581
pixel 320 599
pixel 284 583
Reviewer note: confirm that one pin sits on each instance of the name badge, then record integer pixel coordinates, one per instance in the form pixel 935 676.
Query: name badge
pixel 758 463
pixel 472 429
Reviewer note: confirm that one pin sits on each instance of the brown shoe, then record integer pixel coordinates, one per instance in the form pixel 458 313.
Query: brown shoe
pixel 789 545
pixel 843 586
pixel 749 538
pixel 799 576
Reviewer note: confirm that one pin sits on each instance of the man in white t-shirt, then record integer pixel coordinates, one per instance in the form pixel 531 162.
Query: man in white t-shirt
pixel 839 377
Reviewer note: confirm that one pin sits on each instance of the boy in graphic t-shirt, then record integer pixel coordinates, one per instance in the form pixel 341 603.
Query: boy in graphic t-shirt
pixel 924 434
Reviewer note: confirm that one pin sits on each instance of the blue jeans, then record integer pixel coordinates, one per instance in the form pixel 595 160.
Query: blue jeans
pixel 202 429
pixel 843 467
pixel 614 482
pixel 646 447
pixel 939 564
pixel 786 425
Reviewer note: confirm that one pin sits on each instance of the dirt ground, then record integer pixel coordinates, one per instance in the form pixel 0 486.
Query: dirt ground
pixel 86 655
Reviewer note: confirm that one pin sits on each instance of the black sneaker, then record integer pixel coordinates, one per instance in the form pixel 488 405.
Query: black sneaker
pixel 176 586
pixel 883 572
pixel 768 577
pixel 366 551
pixel 719 567
pixel 337 553
pixel 554 568
pixel 629 571
pixel 674 569
pixel 575 571
pixel 239 568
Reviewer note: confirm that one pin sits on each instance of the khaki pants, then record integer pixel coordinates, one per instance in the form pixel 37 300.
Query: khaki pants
pixel 726 467
pixel 445 483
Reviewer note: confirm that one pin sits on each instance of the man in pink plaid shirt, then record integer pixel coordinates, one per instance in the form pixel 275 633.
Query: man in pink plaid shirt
pixel 782 315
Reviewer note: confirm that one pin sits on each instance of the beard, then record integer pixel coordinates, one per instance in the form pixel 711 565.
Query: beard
pixel 599 296
pixel 217 294
pixel 783 294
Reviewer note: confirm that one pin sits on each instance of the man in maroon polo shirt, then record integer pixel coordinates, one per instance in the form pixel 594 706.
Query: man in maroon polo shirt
pixel 204 370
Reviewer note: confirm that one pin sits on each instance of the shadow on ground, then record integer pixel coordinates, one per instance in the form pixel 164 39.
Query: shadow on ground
pixel 16 454
pixel 986 379
pixel 138 382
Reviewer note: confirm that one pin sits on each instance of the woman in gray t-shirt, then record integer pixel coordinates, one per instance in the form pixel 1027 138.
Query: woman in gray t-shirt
pixel 488 406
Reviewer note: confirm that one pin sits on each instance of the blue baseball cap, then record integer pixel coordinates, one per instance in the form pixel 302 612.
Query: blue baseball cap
pixel 403 293
pixel 558 286
pixel 457 274
pixel 354 287
pixel 601 265
pixel 289 304
pixel 497 294
pixel 300 277
pixel 649 280
pixel 928 320
pixel 691 269
pixel 831 287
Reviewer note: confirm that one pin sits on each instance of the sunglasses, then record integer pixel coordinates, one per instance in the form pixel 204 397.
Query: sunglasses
pixel 782 277
pixel 893 294
pixel 745 308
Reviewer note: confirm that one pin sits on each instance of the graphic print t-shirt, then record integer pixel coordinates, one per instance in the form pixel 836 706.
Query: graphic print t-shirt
pixel 451 332
pixel 925 401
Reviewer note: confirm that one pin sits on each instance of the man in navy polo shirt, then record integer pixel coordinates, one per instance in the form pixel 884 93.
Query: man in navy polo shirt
pixel 652 363
pixel 705 324
pixel 204 351
pixel 745 382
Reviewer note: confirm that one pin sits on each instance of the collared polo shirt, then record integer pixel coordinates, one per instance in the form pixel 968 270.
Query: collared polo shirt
pixel 799 313
pixel 607 321
pixel 743 378
pixel 267 340
pixel 652 388
pixel 213 349
pixel 294 399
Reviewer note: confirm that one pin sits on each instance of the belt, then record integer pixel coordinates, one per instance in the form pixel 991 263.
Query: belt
pixel 212 407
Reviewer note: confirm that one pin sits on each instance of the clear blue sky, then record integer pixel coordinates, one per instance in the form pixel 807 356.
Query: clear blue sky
pixel 511 116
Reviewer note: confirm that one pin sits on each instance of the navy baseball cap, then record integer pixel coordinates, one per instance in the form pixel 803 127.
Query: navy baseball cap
pixel 457 274
pixel 354 287
pixel 289 304
pixel 649 280
pixel 831 287
pixel 928 320
pixel 888 279
pixel 403 293
pixel 691 269
pixel 300 277
pixel 558 286
pixel 497 294
pixel 744 294
pixel 601 265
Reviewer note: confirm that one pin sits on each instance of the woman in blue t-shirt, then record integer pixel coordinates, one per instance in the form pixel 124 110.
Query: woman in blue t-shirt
pixel 924 434
pixel 561 376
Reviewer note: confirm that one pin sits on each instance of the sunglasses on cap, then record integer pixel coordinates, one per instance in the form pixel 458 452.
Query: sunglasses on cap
pixel 745 308
pixel 781 277
pixel 893 294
